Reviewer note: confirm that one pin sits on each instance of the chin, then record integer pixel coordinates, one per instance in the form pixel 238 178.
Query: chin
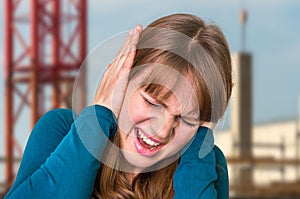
pixel 137 163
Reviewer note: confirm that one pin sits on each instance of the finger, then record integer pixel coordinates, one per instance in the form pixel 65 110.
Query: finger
pixel 136 34
pixel 126 43
pixel 121 55
pixel 132 38
pixel 125 61
pixel 128 61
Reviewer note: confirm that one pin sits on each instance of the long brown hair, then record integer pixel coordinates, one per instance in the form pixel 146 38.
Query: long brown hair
pixel 115 184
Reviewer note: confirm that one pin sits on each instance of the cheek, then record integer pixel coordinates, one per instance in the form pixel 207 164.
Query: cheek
pixel 183 136
pixel 134 111
pixel 137 110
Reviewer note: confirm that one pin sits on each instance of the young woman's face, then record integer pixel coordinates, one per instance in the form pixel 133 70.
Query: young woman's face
pixel 152 131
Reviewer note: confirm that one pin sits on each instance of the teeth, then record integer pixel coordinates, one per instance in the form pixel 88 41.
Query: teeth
pixel 147 140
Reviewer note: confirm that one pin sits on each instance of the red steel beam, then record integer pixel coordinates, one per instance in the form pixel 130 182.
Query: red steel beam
pixel 82 48
pixel 9 127
pixel 28 73
pixel 55 51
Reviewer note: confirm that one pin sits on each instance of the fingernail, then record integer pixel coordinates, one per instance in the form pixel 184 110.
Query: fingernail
pixel 139 27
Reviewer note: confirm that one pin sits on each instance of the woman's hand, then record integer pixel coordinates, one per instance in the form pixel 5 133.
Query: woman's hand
pixel 196 172
pixel 112 88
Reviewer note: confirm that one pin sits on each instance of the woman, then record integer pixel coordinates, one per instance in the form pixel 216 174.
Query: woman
pixel 169 84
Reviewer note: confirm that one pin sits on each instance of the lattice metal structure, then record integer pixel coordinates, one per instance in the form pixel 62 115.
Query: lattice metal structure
pixel 45 44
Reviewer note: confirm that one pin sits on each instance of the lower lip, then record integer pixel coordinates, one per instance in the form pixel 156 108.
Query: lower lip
pixel 144 151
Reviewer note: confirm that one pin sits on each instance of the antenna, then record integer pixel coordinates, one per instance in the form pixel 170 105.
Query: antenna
pixel 243 20
pixel 298 138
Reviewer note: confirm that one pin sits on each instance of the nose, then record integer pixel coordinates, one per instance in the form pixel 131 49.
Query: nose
pixel 163 125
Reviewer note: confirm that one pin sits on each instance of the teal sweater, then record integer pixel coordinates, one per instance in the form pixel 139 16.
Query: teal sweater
pixel 61 158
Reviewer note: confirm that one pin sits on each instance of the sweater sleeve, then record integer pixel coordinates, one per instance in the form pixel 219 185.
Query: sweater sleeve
pixel 195 175
pixel 68 153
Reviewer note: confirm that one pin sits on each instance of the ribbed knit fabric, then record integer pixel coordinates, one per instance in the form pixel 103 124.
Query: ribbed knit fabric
pixel 61 158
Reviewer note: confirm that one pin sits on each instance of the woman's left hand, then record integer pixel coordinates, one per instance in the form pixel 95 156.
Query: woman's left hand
pixel 196 172
pixel 112 88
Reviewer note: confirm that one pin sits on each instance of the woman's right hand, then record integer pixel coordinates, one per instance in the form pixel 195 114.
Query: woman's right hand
pixel 112 88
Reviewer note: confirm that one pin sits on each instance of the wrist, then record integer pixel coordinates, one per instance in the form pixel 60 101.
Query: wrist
pixel 94 125
pixel 200 145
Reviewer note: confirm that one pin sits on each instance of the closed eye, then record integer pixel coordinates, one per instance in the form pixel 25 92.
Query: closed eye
pixel 188 123
pixel 151 103
pixel 159 106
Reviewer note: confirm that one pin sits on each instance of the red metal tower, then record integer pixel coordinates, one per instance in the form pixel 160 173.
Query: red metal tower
pixel 45 44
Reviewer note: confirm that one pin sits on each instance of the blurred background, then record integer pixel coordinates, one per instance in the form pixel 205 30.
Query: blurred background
pixel 45 41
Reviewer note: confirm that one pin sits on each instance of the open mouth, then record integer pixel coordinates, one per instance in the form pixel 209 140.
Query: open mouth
pixel 145 145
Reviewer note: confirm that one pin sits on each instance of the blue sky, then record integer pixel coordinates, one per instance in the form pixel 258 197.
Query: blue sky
pixel 272 37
